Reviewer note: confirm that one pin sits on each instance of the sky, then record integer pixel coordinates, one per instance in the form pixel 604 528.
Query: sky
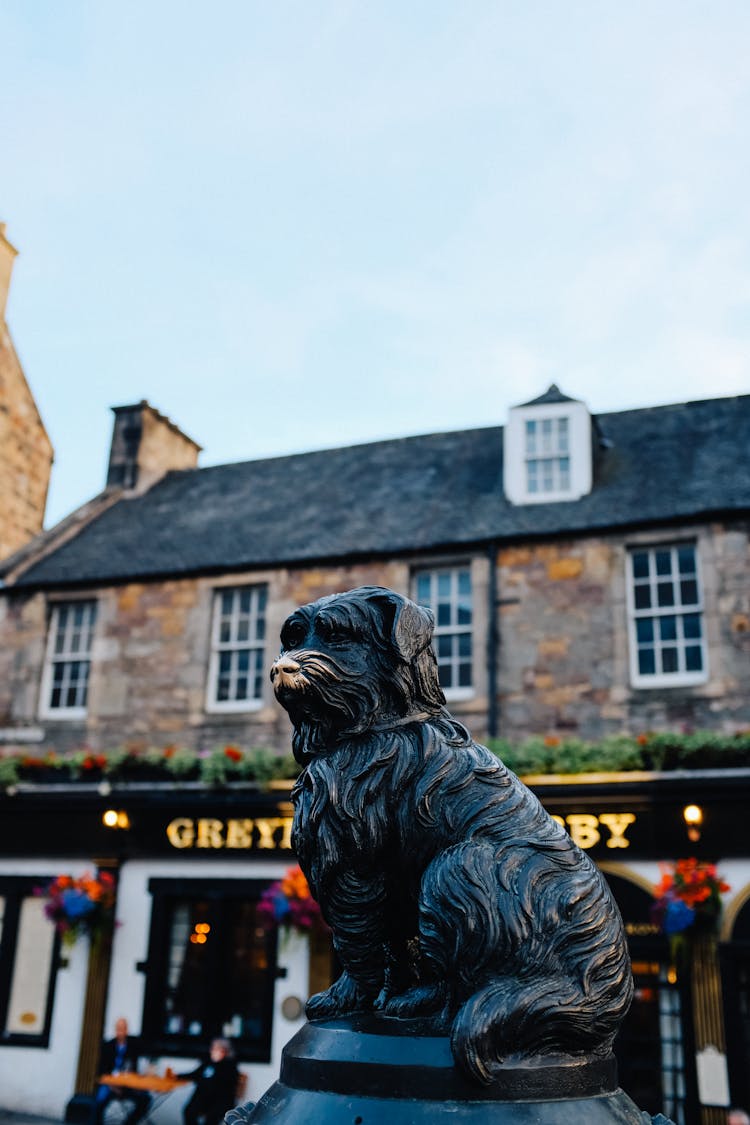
pixel 292 226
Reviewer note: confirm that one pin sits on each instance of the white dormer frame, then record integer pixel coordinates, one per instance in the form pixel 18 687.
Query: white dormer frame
pixel 516 456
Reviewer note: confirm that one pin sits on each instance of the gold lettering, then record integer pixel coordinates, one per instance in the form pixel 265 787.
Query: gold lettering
pixel 583 829
pixel 181 832
pixel 240 833
pixel 286 835
pixel 209 833
pixel 617 823
pixel 266 829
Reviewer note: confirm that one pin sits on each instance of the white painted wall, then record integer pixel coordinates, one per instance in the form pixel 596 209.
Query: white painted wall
pixel 41 1079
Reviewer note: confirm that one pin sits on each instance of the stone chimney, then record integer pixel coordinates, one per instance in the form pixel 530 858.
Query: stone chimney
pixel 145 446
pixel 7 258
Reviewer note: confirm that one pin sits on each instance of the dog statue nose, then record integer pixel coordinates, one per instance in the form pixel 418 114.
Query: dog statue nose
pixel 284 666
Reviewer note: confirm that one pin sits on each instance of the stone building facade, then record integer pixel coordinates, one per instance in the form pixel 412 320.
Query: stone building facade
pixel 543 637
pixel 25 449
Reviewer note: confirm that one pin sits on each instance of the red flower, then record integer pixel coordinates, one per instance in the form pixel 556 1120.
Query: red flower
pixel 233 753
pixel 551 740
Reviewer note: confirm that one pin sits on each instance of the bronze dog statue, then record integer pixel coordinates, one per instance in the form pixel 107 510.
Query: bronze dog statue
pixel 450 891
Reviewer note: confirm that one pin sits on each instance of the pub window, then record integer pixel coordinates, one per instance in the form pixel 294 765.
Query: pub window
pixel 447 592
pixel 29 950
pixel 667 629
pixel 65 680
pixel 238 634
pixel 210 969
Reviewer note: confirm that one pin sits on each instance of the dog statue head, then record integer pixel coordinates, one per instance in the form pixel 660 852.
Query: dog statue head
pixel 355 662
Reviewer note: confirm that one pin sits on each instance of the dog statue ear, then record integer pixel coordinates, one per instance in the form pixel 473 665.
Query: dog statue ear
pixel 411 624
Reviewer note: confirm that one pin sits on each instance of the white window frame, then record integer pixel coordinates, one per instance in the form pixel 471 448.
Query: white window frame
pixel 682 677
pixel 68 655
pixel 578 452
pixel 253 644
pixel 453 629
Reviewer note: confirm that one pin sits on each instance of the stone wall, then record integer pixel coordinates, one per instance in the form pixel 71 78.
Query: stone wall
pixel 562 661
pixel 564 665
pixel 25 454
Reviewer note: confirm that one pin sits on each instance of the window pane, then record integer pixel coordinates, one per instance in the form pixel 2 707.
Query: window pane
pixel 445 675
pixel 663 562
pixel 189 979
pixel 640 564
pixel 689 592
pixel 646 661
pixel 531 437
pixel 691 626
pixel 444 645
pixel 644 629
pixel 32 970
pixel 423 589
pixel 227 598
pixel 243 985
pixel 669 659
pixel 642 595
pixel 443 613
pixel 464 582
pixel 665 593
pixel 464 644
pixel 686 560
pixel 464 675
pixel 694 658
pixel 245 601
pixel 444 584
pixel 668 628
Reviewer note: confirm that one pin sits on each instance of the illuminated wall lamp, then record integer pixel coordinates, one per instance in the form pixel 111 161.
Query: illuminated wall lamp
pixel 693 817
pixel 116 818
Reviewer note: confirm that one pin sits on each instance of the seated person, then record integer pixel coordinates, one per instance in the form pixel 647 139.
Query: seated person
pixel 118 1055
pixel 215 1086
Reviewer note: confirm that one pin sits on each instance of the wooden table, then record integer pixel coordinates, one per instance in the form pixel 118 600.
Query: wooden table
pixel 154 1084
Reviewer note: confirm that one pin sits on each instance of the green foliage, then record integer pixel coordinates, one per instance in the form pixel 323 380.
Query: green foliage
pixel 620 753
pixel 223 765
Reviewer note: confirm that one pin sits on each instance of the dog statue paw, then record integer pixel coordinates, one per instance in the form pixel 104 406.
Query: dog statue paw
pixel 415 838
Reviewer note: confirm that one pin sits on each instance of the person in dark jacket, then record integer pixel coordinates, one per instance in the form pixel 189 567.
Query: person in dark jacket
pixel 118 1055
pixel 215 1086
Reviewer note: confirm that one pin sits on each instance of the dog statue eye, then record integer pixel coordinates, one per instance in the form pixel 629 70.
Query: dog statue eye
pixel 293 635
pixel 333 633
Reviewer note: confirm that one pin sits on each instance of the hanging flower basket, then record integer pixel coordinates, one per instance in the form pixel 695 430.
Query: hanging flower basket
pixel 82 906
pixel 289 904
pixel 688 900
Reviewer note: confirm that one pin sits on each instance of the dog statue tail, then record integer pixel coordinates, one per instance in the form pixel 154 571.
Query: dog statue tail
pixel 558 989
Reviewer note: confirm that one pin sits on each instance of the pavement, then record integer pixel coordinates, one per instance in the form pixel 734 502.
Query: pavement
pixel 11 1117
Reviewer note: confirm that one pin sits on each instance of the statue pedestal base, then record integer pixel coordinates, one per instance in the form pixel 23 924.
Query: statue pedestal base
pixel 368 1070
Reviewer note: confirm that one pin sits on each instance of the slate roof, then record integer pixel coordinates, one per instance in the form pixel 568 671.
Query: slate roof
pixel 411 494
pixel 552 394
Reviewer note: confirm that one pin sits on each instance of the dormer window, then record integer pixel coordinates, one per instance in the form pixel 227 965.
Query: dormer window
pixel 547 450
pixel 547 455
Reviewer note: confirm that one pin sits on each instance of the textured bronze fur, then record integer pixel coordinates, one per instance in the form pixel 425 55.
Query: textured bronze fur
pixel 450 891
